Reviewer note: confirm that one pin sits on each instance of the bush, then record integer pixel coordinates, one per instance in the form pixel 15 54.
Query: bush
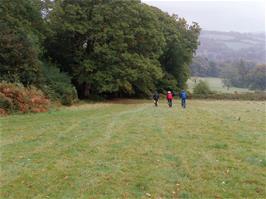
pixel 202 88
pixel 6 103
pixel 17 98
pixel 57 85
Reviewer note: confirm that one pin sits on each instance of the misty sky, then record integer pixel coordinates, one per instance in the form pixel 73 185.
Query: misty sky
pixel 240 16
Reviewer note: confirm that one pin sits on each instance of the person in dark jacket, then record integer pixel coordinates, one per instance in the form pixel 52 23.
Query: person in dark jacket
pixel 183 96
pixel 169 98
pixel 156 98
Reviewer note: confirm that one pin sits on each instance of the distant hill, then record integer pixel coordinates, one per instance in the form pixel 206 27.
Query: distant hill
pixel 232 46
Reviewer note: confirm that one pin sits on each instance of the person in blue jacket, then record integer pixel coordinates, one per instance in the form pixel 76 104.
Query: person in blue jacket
pixel 183 96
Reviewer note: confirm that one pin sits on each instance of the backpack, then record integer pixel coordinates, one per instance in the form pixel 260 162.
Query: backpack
pixel 169 96
pixel 183 95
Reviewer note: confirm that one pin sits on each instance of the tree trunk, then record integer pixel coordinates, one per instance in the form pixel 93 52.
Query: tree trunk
pixel 86 90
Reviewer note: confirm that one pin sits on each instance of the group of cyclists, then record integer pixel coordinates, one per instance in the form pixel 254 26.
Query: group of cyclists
pixel 170 97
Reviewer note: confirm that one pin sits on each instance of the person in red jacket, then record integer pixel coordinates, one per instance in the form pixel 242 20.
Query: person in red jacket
pixel 169 98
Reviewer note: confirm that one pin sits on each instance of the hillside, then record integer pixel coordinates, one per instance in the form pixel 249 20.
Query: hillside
pixel 232 46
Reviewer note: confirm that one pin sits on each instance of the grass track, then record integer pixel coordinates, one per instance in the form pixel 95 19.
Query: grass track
pixel 213 149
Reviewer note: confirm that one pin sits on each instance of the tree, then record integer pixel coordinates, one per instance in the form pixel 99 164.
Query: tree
pixel 22 32
pixel 202 88
pixel 257 77
pixel 115 47
pixel 107 46
pixel 181 44
pixel 244 75
pixel 20 38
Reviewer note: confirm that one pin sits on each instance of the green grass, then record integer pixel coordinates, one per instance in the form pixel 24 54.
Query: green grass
pixel 213 149
pixel 215 84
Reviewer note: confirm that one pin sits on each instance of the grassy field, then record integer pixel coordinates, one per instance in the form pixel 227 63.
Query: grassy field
pixel 213 149
pixel 215 84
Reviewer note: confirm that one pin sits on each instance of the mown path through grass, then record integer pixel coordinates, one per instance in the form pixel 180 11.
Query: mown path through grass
pixel 213 149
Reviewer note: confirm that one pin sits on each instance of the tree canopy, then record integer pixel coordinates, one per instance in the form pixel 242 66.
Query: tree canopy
pixel 20 38
pixel 120 47
pixel 245 75
pixel 107 47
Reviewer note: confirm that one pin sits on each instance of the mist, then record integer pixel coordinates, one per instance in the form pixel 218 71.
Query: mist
pixel 238 16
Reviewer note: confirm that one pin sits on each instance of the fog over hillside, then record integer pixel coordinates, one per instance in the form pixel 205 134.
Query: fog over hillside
pixel 232 46
pixel 233 33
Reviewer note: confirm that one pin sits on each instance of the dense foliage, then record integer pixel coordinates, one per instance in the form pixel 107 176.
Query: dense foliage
pixel 202 67
pixel 17 98
pixel 257 77
pixel 245 75
pixel 241 74
pixel 120 47
pixel 20 37
pixel 57 85
pixel 104 47
pixel 202 88
pixel 22 30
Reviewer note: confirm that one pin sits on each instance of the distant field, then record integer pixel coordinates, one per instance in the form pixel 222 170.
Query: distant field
pixel 215 84
pixel 130 149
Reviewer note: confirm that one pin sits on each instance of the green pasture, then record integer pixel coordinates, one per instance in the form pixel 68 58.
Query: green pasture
pixel 130 149
pixel 215 84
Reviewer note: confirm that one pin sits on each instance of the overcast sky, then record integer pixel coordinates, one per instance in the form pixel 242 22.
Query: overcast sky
pixel 237 15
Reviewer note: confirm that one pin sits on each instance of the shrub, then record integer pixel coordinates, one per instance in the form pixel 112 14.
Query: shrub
pixel 202 88
pixel 57 85
pixel 17 98
pixel 256 96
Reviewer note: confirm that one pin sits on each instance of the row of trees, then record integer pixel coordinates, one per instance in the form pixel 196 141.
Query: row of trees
pixel 245 75
pixel 102 47
pixel 203 67
pixel 240 74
